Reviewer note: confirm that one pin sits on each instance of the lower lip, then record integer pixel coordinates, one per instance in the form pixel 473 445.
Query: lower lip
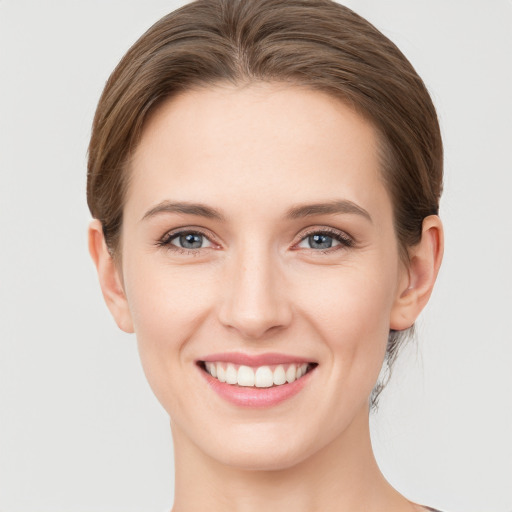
pixel 256 397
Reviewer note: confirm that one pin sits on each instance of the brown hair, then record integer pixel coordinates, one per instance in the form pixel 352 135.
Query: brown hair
pixel 312 43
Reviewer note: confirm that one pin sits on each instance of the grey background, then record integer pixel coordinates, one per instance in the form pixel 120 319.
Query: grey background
pixel 79 427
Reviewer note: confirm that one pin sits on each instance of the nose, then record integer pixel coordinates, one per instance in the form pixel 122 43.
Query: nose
pixel 255 301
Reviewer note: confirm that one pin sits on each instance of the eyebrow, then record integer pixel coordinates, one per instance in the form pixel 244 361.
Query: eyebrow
pixel 332 207
pixel 342 206
pixel 198 209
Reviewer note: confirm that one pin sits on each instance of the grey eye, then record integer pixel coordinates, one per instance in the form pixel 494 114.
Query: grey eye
pixel 324 240
pixel 320 241
pixel 189 240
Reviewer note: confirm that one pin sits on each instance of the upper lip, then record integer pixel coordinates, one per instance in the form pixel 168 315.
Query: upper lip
pixel 241 358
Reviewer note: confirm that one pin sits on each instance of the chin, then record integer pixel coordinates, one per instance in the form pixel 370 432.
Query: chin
pixel 263 459
pixel 264 447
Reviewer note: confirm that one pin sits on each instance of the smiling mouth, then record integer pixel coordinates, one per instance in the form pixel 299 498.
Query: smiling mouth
pixel 266 376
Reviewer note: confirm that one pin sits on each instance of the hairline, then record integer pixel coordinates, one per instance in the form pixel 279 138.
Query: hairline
pixel 383 149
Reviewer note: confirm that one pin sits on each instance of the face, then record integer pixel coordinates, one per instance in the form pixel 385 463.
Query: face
pixel 258 244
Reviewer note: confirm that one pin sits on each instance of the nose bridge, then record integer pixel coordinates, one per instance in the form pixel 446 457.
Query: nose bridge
pixel 254 301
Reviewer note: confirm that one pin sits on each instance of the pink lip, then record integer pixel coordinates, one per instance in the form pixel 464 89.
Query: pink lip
pixel 254 360
pixel 252 396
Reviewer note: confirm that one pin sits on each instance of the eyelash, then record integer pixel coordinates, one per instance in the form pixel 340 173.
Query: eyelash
pixel 344 240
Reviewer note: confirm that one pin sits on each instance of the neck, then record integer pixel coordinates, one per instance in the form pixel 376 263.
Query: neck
pixel 343 476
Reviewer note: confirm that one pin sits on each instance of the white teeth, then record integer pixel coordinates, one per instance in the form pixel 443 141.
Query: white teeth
pixel 221 373
pixel 231 374
pixel 261 377
pixel 301 370
pixel 245 376
pixel 291 373
pixel 212 369
pixel 264 377
pixel 279 375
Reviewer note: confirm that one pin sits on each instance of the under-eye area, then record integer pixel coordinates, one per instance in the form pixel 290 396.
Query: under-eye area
pixel 260 377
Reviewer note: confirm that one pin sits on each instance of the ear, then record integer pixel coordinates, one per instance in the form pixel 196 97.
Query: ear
pixel 110 278
pixel 419 277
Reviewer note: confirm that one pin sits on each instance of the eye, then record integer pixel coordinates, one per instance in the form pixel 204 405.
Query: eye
pixel 325 240
pixel 185 241
pixel 319 241
pixel 190 240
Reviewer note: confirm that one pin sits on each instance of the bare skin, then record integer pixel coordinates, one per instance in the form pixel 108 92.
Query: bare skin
pixel 233 169
pixel 314 485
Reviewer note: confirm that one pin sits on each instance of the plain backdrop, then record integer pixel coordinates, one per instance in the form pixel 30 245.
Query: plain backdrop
pixel 79 427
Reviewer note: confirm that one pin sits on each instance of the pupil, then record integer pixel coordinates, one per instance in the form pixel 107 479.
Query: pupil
pixel 320 242
pixel 191 241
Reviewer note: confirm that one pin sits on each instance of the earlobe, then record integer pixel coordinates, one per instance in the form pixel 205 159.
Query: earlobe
pixel 109 277
pixel 416 287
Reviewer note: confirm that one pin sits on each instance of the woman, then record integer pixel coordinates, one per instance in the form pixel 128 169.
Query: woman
pixel 265 179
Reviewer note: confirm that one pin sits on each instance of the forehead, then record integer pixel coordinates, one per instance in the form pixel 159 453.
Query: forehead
pixel 263 144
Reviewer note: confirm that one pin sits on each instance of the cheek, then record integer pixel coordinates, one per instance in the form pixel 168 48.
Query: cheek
pixel 349 299
pixel 168 305
pixel 165 298
pixel 352 317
